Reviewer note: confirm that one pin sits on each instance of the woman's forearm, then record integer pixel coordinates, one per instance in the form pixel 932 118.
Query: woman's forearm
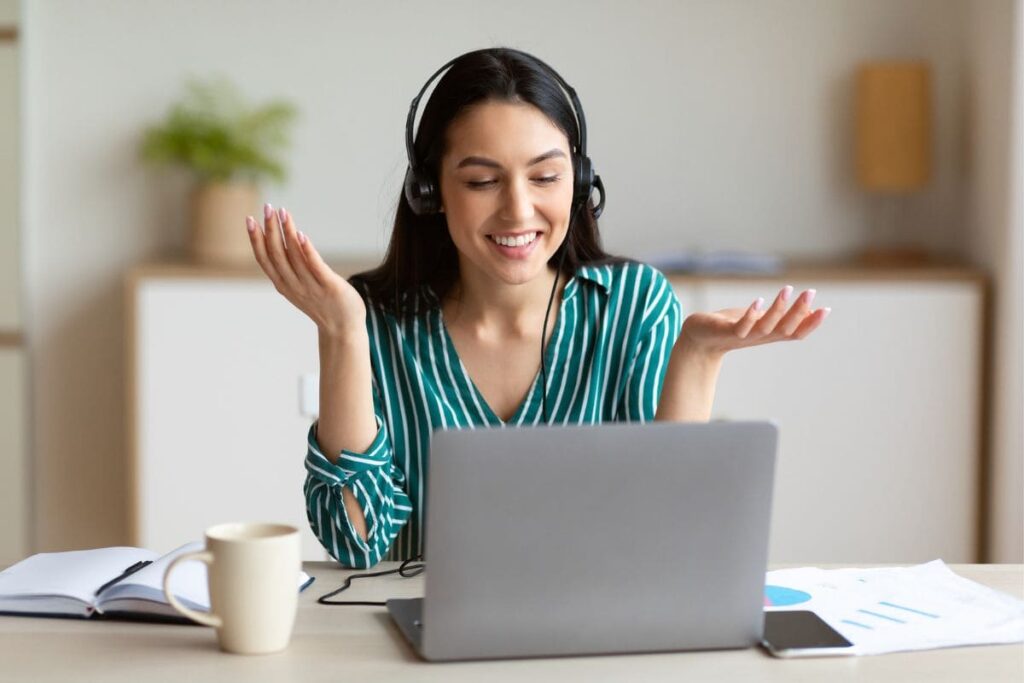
pixel 689 389
pixel 346 418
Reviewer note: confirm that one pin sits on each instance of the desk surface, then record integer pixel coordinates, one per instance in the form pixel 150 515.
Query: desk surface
pixel 362 644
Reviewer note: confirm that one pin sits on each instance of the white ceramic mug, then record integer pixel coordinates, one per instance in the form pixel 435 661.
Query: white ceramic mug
pixel 253 575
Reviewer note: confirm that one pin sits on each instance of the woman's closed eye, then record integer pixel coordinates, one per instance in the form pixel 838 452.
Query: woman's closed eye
pixel 481 184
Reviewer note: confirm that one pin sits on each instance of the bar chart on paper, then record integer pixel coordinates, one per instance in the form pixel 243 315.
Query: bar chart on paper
pixel 884 613
pixel 902 608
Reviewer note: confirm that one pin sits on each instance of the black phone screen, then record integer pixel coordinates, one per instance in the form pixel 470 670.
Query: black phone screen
pixel 798 630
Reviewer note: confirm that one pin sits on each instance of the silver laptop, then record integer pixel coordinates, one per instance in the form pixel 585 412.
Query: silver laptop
pixel 613 538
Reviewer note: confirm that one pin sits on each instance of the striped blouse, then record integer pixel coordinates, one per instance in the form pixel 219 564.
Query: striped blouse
pixel 606 361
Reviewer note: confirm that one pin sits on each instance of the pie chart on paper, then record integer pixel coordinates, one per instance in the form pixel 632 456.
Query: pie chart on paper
pixel 780 596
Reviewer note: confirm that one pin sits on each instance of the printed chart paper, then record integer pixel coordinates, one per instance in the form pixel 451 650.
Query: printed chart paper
pixel 903 608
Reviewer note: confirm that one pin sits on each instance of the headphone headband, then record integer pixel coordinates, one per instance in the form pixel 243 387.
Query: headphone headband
pixel 421 190
pixel 581 122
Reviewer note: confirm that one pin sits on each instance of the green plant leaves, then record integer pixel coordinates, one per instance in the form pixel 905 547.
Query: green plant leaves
pixel 216 134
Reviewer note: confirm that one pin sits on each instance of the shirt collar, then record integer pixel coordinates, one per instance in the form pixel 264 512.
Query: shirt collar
pixel 595 275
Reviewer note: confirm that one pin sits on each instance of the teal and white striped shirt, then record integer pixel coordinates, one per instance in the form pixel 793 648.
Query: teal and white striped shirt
pixel 606 361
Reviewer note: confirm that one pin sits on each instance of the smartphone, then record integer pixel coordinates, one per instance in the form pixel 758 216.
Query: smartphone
pixel 801 633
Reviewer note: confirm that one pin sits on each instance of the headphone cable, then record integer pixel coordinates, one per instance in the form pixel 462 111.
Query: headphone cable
pixel 404 570
pixel 544 329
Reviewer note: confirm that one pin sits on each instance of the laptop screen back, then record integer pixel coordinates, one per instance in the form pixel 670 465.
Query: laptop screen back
pixel 596 539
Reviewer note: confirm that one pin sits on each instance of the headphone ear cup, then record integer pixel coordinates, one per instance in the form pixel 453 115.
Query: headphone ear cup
pixel 599 186
pixel 583 180
pixel 421 193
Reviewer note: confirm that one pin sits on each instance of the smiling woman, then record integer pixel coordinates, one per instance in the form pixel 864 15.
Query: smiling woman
pixel 496 218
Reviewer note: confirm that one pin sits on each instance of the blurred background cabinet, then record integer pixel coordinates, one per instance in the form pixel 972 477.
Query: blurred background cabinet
pixel 14 484
pixel 879 455
pixel 218 434
pixel 879 424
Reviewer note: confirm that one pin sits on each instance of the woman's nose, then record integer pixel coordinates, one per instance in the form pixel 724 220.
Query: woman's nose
pixel 518 202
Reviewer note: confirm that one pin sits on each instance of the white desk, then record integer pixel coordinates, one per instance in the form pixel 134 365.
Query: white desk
pixel 361 644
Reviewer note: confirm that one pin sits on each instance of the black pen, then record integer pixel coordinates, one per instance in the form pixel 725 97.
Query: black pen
pixel 127 572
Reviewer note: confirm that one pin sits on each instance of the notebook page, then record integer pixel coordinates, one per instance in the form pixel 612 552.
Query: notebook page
pixel 188 582
pixel 75 573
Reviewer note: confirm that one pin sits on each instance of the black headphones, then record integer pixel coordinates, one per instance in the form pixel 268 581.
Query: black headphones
pixel 422 190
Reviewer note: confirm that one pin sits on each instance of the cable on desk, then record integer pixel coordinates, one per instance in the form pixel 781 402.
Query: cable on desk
pixel 404 570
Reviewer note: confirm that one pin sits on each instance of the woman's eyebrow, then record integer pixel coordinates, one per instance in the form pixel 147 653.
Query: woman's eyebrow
pixel 490 163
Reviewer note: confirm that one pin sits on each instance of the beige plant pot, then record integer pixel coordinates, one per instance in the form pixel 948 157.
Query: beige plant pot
pixel 218 235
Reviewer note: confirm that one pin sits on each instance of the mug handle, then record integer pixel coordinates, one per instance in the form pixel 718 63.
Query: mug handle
pixel 204 618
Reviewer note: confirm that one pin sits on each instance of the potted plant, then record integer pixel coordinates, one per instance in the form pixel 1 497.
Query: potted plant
pixel 229 146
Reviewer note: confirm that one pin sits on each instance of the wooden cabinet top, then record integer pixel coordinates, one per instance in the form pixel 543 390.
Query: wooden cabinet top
pixel 817 271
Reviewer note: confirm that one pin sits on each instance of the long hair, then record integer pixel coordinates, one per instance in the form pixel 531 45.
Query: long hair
pixel 421 250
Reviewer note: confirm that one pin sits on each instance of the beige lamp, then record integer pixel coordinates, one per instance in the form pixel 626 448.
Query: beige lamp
pixel 893 120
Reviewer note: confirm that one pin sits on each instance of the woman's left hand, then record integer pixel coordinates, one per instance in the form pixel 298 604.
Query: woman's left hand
pixel 736 328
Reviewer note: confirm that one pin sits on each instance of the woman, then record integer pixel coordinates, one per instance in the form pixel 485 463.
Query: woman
pixel 446 332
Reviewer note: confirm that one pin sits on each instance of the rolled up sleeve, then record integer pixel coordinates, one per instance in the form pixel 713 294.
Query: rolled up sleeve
pixel 378 487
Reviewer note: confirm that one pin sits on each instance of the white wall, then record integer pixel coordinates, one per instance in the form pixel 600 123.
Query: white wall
pixel 1008 540
pixel 715 124
pixel 996 220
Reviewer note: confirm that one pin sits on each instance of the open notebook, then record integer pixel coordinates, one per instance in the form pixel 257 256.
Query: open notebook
pixel 65 584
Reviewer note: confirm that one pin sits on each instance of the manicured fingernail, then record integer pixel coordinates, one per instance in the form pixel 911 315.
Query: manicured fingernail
pixel 827 311
pixel 810 295
pixel 282 214
pixel 787 292
pixel 267 211
pixel 759 303
pixel 302 237
pixel 250 224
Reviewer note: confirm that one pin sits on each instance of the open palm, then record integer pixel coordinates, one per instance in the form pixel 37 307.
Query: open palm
pixel 736 328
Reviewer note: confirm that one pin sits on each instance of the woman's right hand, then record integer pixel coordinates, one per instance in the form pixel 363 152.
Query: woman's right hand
pixel 297 271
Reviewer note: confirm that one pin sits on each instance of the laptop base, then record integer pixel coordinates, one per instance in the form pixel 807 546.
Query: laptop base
pixel 408 614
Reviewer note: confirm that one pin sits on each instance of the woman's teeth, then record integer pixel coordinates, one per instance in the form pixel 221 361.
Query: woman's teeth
pixel 517 241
